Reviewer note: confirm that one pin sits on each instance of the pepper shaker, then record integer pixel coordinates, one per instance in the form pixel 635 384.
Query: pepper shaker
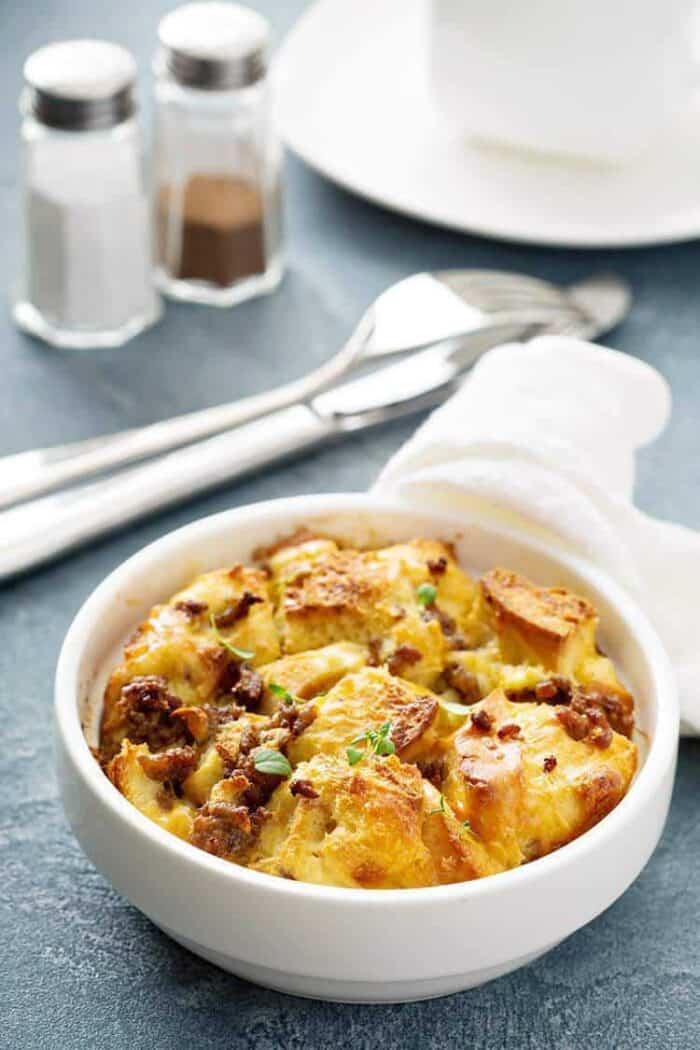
pixel 87 274
pixel 217 162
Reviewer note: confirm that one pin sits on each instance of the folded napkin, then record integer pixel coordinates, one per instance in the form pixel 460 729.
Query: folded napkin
pixel 543 436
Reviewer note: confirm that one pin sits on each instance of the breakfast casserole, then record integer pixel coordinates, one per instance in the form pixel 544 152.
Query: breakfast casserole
pixel 369 718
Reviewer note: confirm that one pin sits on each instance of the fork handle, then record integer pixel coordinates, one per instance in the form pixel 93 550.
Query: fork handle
pixel 27 475
pixel 45 528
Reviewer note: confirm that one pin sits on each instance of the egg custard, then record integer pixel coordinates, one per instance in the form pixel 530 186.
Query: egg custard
pixel 369 718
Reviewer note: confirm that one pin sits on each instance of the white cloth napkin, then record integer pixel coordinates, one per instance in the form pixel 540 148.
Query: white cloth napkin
pixel 543 436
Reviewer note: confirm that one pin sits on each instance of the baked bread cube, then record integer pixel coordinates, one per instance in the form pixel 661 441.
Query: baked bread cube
pixel 536 643
pixel 222 748
pixel 541 625
pixel 306 674
pixel 407 602
pixel 366 701
pixel 147 780
pixel 377 825
pixel 179 655
pixel 530 777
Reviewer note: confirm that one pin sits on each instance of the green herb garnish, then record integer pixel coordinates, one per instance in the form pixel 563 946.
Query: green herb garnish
pixel 441 808
pixel 240 654
pixel 465 825
pixel 379 740
pixel 266 760
pixel 426 594
pixel 382 742
pixel 279 690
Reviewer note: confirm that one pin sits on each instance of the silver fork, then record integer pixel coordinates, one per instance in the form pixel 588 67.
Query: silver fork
pixel 427 308
pixel 45 528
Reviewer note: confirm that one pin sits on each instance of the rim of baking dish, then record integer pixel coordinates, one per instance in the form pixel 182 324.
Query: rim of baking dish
pixel 660 753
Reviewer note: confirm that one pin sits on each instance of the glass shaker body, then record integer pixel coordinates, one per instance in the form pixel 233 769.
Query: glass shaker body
pixel 217 166
pixel 87 278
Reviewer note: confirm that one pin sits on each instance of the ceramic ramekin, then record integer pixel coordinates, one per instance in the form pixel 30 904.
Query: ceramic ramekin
pixel 356 945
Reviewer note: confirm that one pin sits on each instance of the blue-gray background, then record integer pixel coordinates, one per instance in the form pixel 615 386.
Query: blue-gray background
pixel 79 967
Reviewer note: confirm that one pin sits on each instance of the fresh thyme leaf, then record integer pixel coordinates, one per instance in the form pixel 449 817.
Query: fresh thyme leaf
pixel 266 760
pixel 440 809
pixel 379 740
pixel 279 690
pixel 466 826
pixel 240 654
pixel 354 755
pixel 426 594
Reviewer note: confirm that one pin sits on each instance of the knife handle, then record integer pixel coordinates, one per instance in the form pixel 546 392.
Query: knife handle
pixel 45 528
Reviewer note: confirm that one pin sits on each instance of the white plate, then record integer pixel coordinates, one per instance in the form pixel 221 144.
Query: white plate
pixel 353 103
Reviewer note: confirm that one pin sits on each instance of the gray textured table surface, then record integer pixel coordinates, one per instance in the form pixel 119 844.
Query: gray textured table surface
pixel 79 967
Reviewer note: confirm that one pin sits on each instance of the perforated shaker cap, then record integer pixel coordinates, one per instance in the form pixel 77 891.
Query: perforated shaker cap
pixel 80 85
pixel 214 45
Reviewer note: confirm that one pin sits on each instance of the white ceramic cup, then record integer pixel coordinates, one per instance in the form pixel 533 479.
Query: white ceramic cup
pixel 598 79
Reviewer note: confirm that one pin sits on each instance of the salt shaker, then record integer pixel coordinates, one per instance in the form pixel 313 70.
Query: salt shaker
pixel 87 279
pixel 217 162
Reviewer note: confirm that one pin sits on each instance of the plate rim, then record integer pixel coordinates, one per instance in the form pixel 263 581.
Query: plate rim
pixel 671 233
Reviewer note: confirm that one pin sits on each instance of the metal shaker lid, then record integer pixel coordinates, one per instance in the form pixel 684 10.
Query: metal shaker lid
pixel 214 45
pixel 80 85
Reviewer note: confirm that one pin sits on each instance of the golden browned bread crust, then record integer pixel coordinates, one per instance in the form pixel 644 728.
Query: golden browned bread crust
pixel 375 826
pixel 364 701
pixel 158 801
pixel 535 644
pixel 313 671
pixel 525 784
pixel 326 594
pixel 369 718
pixel 545 622
pixel 178 652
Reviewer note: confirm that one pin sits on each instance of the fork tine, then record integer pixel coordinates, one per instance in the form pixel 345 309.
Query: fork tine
pixel 498 276
pixel 576 327
pixel 487 288
pixel 497 301
pixel 511 289
pixel 493 298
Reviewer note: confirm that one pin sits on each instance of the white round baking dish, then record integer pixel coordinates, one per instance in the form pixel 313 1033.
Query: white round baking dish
pixel 356 945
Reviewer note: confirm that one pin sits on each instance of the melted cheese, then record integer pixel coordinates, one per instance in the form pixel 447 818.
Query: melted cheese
pixel 327 595
pixel 345 642
pixel 365 701
pixel 377 825
pixel 149 796
pixel 181 647
pixel 528 793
